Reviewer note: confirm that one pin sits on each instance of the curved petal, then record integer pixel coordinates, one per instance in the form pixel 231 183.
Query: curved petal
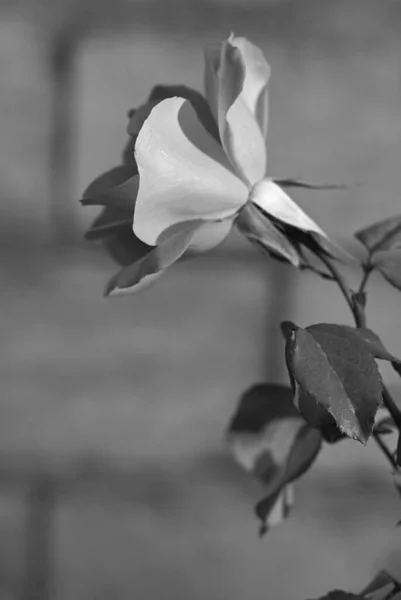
pixel 184 173
pixel 257 75
pixel 138 117
pixel 116 188
pixel 240 133
pixel 150 267
pixel 209 236
pixel 276 203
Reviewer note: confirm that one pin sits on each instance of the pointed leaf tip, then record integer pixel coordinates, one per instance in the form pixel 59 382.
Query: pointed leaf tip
pixel 116 188
pixel 334 370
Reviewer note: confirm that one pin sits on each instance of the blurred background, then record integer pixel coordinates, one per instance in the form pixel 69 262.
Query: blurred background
pixel 114 480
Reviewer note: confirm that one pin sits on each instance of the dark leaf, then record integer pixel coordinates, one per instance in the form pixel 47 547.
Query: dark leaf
pixel 261 231
pixel 135 277
pixel 376 347
pixel 334 371
pixel 371 340
pixel 388 262
pixel 116 188
pixel 269 438
pixel 384 235
pixel 316 415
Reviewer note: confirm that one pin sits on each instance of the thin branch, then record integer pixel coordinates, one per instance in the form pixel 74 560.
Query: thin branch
pixel 366 274
pixel 338 277
pixel 383 447
pixel 392 407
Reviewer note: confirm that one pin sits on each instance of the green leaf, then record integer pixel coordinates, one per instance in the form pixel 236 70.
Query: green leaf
pixel 260 230
pixel 333 371
pixel 371 340
pixel 388 263
pixel 135 277
pixel 314 414
pixel 375 345
pixel 269 439
pixel 116 188
pixel 384 235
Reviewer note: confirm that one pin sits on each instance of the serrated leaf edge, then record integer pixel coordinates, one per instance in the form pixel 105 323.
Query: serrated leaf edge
pixel 361 437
